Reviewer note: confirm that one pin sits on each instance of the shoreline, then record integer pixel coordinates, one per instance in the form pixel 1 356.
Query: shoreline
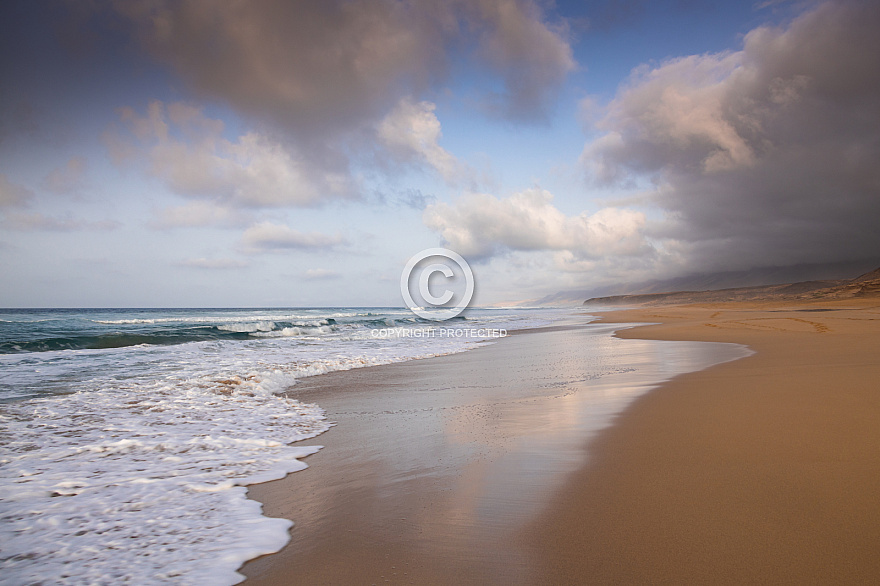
pixel 436 465
pixel 762 470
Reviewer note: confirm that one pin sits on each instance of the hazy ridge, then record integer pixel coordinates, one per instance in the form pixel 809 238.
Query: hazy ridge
pixel 864 285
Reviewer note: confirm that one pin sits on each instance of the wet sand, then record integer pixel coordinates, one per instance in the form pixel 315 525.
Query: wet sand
pixel 489 467
pixel 437 466
pixel 764 470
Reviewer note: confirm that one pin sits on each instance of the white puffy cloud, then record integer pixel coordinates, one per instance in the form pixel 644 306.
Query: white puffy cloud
pixel 681 111
pixel 188 152
pixel 481 225
pixel 761 157
pixel 412 131
pixel 266 236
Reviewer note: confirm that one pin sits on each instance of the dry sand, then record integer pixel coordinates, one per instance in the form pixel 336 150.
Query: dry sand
pixel 764 470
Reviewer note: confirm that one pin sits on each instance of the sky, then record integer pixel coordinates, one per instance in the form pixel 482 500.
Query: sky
pixel 193 153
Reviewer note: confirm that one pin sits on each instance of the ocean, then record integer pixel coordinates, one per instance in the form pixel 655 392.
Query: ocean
pixel 127 436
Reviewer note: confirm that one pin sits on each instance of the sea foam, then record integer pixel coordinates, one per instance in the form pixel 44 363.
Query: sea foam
pixel 129 464
pixel 145 485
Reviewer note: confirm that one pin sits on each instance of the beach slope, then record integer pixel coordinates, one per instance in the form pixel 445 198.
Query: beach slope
pixel 762 470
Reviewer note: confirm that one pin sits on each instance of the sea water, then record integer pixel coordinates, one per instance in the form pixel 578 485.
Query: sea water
pixel 127 436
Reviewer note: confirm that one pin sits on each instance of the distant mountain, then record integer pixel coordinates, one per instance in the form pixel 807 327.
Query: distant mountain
pixel 868 277
pixel 757 277
pixel 716 281
pixel 865 285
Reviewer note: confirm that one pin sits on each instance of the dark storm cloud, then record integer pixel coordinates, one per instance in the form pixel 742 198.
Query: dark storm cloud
pixel 319 68
pixel 767 156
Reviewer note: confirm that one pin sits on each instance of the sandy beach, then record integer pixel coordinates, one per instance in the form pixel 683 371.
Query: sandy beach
pixel 764 470
pixel 492 466
pixel 436 466
pixel 257 257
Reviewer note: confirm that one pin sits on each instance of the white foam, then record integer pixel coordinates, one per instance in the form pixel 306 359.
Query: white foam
pixel 139 476
pixel 260 326
pixel 141 479
pixel 316 330
pixel 145 483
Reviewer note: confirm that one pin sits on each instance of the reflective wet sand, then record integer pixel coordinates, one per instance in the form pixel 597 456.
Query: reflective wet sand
pixel 435 466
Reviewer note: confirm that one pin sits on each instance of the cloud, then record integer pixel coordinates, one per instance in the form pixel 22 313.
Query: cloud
pixel 68 178
pixel 265 236
pixel 761 157
pixel 318 69
pixel 14 199
pixel 674 116
pixel 532 57
pixel 414 198
pixel 26 221
pixel 188 152
pixel 320 275
pixel 200 214
pixel 326 85
pixel 480 225
pixel 13 195
pixel 411 132
pixel 769 4
pixel 212 263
